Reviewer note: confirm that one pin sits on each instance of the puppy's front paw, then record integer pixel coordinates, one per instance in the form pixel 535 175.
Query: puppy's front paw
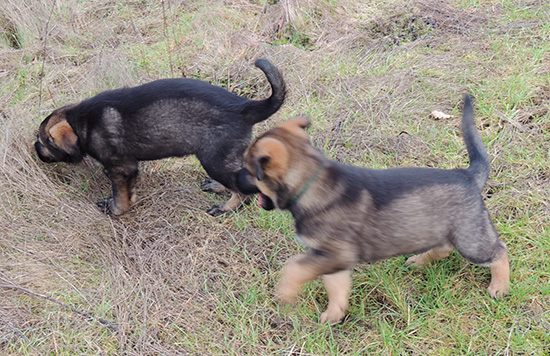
pixel 332 316
pixel 286 294
pixel 216 210
pixel 105 206
pixel 209 185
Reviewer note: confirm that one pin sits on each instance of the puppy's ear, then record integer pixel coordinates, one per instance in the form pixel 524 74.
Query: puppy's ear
pixel 64 137
pixel 297 126
pixel 271 156
pixel 259 165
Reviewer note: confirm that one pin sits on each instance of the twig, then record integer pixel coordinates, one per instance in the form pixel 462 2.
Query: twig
pixel 44 55
pixel 511 121
pixel 36 294
pixel 399 144
pixel 165 28
pixel 18 332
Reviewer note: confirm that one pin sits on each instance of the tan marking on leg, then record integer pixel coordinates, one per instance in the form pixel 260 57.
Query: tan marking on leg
pixel 133 196
pixel 338 286
pixel 121 202
pixel 236 200
pixel 500 276
pixel 294 275
pixel 424 259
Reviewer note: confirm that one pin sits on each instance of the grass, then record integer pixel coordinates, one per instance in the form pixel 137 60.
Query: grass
pixel 176 281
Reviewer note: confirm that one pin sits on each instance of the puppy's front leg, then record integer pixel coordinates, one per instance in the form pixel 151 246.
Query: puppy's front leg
pixel 306 267
pixel 297 271
pixel 338 286
pixel 122 179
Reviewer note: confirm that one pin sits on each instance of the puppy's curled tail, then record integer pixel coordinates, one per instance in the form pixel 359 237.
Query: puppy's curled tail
pixel 259 110
pixel 479 160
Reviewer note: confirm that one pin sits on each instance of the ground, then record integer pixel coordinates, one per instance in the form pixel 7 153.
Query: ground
pixel 168 279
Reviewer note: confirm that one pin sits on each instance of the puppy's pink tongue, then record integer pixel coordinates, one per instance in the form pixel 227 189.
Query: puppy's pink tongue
pixel 261 199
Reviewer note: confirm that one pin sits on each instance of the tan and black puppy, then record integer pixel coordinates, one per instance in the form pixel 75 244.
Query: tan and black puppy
pixel 347 214
pixel 164 118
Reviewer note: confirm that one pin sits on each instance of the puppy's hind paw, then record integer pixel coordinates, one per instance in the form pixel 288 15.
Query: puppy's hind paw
pixel 417 261
pixel 209 185
pixel 216 210
pixel 498 291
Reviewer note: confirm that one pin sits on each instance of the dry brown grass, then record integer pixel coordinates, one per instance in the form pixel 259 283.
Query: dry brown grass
pixel 174 280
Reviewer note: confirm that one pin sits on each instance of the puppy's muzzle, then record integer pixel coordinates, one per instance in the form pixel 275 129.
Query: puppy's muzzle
pixel 41 155
pixel 52 154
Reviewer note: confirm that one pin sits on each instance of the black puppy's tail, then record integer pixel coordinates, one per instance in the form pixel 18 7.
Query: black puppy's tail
pixel 479 160
pixel 259 110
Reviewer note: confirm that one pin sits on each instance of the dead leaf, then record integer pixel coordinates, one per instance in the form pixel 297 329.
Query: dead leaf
pixel 438 115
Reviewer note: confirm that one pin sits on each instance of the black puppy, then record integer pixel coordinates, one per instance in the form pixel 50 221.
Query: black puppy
pixel 164 118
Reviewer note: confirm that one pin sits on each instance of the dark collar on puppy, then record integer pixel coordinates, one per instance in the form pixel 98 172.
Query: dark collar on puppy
pixel 306 186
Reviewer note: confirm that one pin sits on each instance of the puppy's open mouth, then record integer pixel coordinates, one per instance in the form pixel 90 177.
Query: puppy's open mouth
pixel 265 202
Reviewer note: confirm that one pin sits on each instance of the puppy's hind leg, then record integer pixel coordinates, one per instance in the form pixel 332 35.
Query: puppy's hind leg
pixel 236 200
pixel 435 254
pixel 222 176
pixel 210 185
pixel 485 248
pixel 500 274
